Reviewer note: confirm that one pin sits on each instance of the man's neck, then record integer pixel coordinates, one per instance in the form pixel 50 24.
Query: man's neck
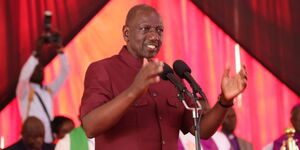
pixel 228 132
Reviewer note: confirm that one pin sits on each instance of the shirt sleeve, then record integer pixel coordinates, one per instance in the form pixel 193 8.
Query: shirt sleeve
pixel 25 75
pixel 97 88
pixel 63 73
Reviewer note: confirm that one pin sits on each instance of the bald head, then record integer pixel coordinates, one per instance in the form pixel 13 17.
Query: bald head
pixel 32 123
pixel 33 133
pixel 132 13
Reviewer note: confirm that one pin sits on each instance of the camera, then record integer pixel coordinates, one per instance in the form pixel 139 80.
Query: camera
pixel 49 36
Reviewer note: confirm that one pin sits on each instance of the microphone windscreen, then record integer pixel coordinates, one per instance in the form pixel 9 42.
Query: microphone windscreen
pixel 180 67
pixel 166 70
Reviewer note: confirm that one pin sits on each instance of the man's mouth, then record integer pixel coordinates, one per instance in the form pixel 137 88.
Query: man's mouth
pixel 151 46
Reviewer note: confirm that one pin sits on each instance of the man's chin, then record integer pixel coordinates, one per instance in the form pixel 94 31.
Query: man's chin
pixel 151 54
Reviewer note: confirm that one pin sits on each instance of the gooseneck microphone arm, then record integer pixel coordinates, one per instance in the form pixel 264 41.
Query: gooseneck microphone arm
pixel 168 74
pixel 184 72
pixel 196 117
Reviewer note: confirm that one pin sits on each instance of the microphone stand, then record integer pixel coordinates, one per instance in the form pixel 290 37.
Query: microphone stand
pixel 196 115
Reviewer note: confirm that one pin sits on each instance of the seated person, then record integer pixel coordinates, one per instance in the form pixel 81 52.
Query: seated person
pixel 76 140
pixel 33 134
pixel 228 128
pixel 225 139
pixel 60 126
pixel 217 142
pixel 295 120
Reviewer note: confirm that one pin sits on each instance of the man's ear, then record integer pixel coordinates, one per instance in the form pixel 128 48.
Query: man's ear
pixel 125 33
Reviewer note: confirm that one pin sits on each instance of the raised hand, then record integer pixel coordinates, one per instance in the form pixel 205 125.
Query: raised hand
pixel 38 46
pixel 147 75
pixel 233 85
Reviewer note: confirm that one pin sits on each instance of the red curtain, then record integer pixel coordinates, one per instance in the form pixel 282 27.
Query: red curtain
pixel 263 110
pixel 267 29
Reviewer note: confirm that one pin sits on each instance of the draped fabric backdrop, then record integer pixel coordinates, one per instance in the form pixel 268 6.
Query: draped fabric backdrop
pixel 263 110
pixel 22 21
pixel 267 29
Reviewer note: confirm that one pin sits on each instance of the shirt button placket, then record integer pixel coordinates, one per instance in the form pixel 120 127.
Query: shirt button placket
pixel 154 94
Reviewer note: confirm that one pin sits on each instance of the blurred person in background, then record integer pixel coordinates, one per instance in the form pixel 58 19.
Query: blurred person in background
pixel 228 127
pixel 60 126
pixel 35 98
pixel 295 121
pixel 33 134
pixel 76 140
pixel 226 138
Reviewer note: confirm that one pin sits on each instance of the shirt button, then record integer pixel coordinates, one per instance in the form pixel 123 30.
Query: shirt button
pixel 163 142
pixel 154 94
pixel 160 118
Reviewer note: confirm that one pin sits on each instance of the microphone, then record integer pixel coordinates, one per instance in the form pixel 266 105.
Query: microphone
pixel 168 74
pixel 184 71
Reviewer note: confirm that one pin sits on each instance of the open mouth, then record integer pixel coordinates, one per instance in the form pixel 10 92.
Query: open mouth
pixel 152 46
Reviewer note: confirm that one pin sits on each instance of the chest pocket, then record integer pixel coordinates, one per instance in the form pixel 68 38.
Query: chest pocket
pixel 173 102
pixel 130 118
pixel 175 111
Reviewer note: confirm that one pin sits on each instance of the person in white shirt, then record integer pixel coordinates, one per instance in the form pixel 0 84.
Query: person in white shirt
pixel 76 140
pixel 35 99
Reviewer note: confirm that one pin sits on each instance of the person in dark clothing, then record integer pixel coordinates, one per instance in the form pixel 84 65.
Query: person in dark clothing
pixel 33 134
pixel 60 126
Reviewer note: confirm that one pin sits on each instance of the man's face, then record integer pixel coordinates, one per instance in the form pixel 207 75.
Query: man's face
pixel 66 127
pixel 144 34
pixel 229 123
pixel 34 137
pixel 295 120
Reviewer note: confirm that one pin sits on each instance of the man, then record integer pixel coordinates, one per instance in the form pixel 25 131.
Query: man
pixel 76 140
pixel 125 105
pixel 33 133
pixel 295 120
pixel 35 99
pixel 61 126
pixel 228 128
pixel 225 139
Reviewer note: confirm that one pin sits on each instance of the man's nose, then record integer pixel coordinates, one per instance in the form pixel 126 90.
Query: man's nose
pixel 153 35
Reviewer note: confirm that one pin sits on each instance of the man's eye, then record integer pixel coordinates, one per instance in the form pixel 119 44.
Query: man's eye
pixel 160 30
pixel 145 28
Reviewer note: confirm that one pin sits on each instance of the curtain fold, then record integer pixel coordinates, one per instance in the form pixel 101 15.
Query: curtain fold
pixel 268 30
pixel 263 110
pixel 21 24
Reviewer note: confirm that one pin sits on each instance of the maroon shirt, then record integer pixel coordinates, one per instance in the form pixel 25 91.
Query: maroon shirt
pixel 151 123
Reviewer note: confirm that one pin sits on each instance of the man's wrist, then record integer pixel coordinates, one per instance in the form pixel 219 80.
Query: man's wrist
pixel 60 52
pixel 223 102
pixel 35 54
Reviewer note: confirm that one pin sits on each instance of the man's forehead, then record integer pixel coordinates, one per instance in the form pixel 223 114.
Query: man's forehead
pixel 142 13
pixel 146 18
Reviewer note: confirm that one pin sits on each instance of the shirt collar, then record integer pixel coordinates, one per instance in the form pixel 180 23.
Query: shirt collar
pixel 129 59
